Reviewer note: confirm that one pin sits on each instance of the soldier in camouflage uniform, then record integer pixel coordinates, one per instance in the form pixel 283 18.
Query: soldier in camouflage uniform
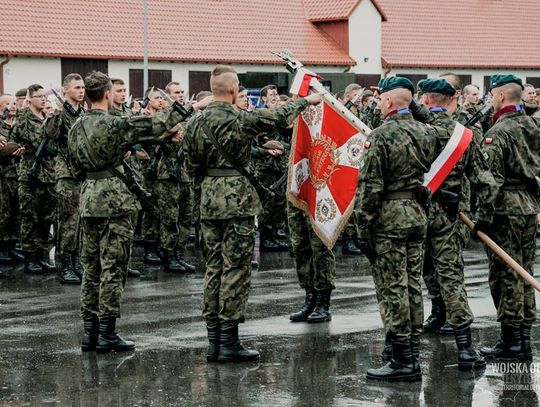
pixel 37 198
pixel 446 235
pixel 97 144
pixel 392 223
pixel 56 129
pixel 228 206
pixel 315 267
pixel 9 199
pixel 512 146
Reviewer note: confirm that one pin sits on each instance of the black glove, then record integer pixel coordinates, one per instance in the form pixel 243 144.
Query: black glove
pixel 367 249
pixel 483 226
pixel 450 203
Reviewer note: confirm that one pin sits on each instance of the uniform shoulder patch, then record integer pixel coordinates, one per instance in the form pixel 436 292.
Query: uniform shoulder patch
pixel 488 140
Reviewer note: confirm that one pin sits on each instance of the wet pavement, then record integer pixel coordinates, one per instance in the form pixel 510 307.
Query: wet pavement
pixel 301 365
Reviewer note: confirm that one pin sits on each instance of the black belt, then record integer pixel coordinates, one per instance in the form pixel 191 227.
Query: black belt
pixel 95 175
pixel 397 195
pixel 222 172
pixel 514 187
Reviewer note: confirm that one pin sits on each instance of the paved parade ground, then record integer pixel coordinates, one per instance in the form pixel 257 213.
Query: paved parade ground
pixel 301 365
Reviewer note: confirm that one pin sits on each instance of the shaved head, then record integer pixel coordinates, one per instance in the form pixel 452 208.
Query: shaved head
pixel 506 95
pixel 436 100
pixel 223 81
pixel 395 99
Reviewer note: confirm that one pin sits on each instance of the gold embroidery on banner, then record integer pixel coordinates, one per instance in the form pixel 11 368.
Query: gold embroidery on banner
pixel 323 159
pixel 313 114
pixel 354 151
pixel 326 210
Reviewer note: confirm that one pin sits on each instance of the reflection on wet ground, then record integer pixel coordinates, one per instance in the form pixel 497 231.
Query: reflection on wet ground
pixel 301 365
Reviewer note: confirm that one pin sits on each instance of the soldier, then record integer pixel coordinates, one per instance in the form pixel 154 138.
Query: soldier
pixel 9 202
pixel 392 223
pixel 228 205
pixel 315 267
pixel 446 235
pixel 21 98
pixel 37 200
pixel 471 98
pixel 56 128
pixel 529 99
pixel 175 199
pixel 512 146
pixel 97 143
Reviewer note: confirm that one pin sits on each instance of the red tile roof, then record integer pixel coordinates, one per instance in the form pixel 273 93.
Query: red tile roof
pixel 462 33
pixel 324 10
pixel 235 31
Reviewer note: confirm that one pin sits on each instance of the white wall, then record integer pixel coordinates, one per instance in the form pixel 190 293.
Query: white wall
pixel 476 74
pixel 20 72
pixel 365 38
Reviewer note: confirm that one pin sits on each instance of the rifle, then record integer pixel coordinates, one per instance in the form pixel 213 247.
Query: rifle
pixel 152 169
pixel 143 103
pixel 144 197
pixel 68 107
pixel 129 102
pixel 351 102
pixel 477 116
pixel 5 112
pixel 177 167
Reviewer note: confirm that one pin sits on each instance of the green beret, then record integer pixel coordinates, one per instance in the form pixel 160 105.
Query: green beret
pixel 500 80
pixel 436 85
pixel 395 82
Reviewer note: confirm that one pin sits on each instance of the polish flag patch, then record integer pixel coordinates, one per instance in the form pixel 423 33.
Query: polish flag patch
pixel 488 140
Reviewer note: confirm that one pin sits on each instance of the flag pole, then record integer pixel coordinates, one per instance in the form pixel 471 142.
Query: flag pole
pixel 501 253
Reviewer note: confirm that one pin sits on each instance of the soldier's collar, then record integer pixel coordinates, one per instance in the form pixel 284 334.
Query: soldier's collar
pixel 507 109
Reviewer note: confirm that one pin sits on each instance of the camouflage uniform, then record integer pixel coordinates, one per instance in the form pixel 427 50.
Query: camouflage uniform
pixel 446 237
pixel 315 263
pixel 175 200
pixel 9 198
pixel 512 146
pixel 397 156
pixel 106 204
pixel 229 203
pixel 37 200
pixel 56 128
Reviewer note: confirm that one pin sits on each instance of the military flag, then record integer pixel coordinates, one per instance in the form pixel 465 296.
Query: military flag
pixel 327 146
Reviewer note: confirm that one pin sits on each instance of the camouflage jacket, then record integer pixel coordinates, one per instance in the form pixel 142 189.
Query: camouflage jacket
pixel 56 128
pixel 396 157
pixel 110 137
pixel 234 196
pixel 8 168
pixel 27 131
pixel 471 173
pixel 169 168
pixel 512 147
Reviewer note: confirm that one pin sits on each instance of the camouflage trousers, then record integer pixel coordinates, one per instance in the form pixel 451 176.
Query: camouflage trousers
pixel 273 215
pixel 37 206
pixel 175 201
pixel 67 215
pixel 150 219
pixel 444 266
pixel 513 298
pixel 228 248
pixel 397 272
pixel 105 251
pixel 315 263
pixel 9 210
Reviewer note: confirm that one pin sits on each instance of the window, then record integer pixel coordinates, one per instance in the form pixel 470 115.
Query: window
pixel 535 81
pixel 198 81
pixel 366 80
pixel 83 66
pixel 414 78
pixel 156 77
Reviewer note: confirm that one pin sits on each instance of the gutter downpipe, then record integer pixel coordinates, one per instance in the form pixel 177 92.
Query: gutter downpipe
pixel 4 62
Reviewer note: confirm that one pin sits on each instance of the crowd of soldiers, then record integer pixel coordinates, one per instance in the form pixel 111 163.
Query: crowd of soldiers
pixel 93 168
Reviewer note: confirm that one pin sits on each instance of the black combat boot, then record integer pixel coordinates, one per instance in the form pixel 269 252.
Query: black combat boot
pixel 321 313
pixel 31 265
pixel 150 256
pixel 468 359
pixel 509 346
pixel 5 258
pixel 230 348
pixel 108 340
pixel 283 242
pixel 133 272
pixel 348 246
pixel 44 264
pixel 66 271
pixel 91 332
pixel 190 268
pixel 15 253
pixel 415 351
pixel 525 329
pixel 438 316
pixel 401 366
pixel 386 354
pixel 446 329
pixel 268 244
pixel 170 263
pixel 77 266
pixel 307 308
pixel 214 331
